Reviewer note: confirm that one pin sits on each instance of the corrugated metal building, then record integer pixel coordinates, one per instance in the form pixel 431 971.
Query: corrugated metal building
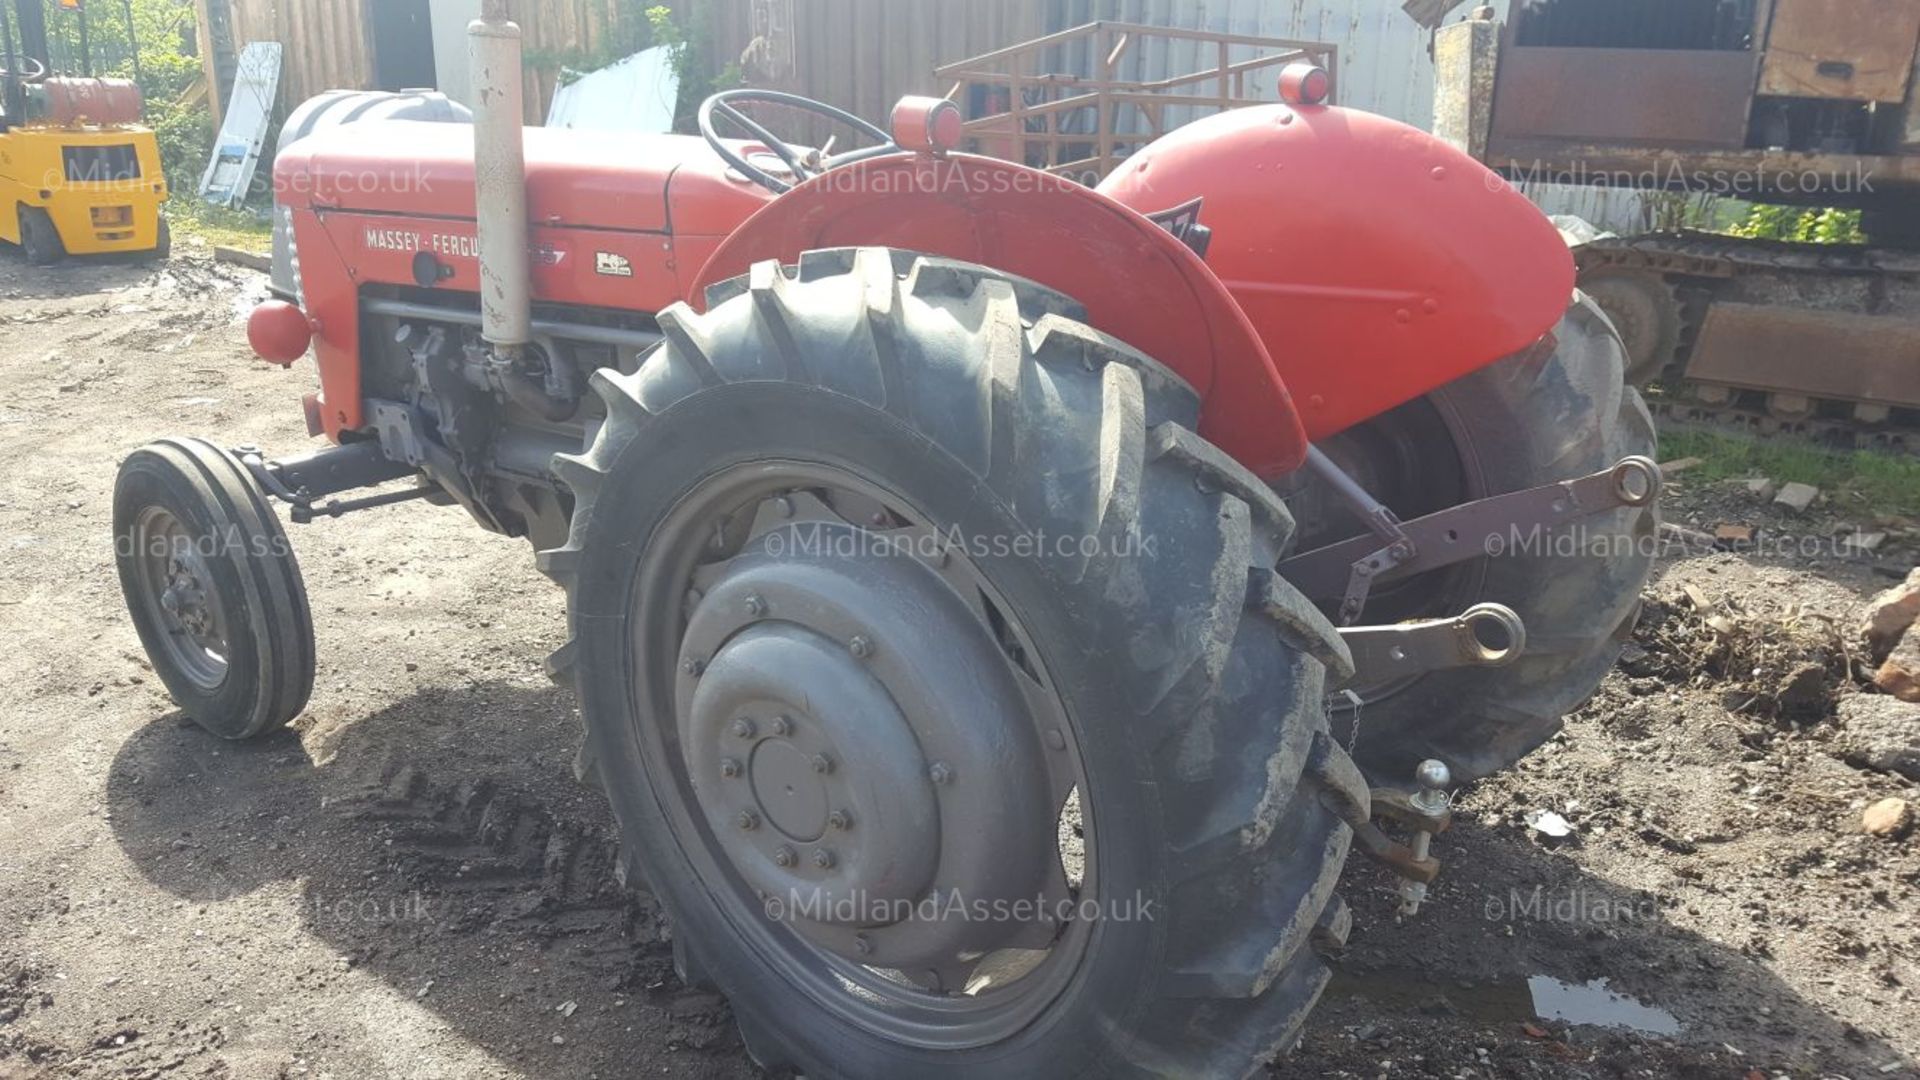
pixel 861 55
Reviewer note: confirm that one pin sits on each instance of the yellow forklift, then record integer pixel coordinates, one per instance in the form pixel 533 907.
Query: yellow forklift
pixel 79 173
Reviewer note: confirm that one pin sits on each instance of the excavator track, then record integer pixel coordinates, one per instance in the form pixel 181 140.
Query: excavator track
pixel 1771 338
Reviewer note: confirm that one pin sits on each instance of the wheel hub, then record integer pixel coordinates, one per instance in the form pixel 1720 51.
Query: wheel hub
pixel 802 753
pixel 185 598
pixel 174 579
pixel 857 746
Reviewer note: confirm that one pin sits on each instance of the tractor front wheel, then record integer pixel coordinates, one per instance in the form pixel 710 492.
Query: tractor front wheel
pixel 936 675
pixel 211 582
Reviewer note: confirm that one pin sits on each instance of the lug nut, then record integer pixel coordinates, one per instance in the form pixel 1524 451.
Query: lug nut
pixel 782 726
pixel 748 820
pixel 744 728
pixel 823 859
pixel 840 821
pixel 729 768
pixel 693 667
pixel 860 646
pixel 784 856
pixel 783 506
pixel 1056 740
pixel 861 945
pixel 756 607
pixel 822 764
pixel 940 773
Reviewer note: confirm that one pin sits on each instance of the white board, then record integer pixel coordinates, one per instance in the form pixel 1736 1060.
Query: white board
pixel 450 19
pixel 637 95
pixel 243 136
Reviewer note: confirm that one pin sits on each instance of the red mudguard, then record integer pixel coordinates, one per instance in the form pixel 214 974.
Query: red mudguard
pixel 1378 262
pixel 1138 283
pixel 1356 262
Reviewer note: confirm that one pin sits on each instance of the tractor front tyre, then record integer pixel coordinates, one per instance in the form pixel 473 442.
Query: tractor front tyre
pixel 1522 423
pixel 938 681
pixel 215 593
pixel 40 238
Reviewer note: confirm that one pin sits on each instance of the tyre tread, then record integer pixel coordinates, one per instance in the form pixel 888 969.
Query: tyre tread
pixel 1239 672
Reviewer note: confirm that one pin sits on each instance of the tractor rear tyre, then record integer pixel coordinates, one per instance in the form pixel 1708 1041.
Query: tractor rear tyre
pixel 213 587
pixel 1521 423
pixel 936 676
pixel 40 238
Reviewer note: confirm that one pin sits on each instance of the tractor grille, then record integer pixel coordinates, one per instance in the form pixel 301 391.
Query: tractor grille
pixel 101 164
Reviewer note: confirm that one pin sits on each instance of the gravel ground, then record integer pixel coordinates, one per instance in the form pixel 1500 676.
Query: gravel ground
pixel 409 883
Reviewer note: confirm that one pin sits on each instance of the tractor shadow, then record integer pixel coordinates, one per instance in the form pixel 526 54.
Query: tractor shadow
pixel 1455 979
pixel 443 841
pixel 442 845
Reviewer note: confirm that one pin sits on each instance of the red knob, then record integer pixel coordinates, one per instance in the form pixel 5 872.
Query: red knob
pixel 279 332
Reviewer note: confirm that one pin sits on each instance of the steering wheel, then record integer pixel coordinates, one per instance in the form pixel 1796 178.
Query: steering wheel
pixel 35 71
pixel 804 165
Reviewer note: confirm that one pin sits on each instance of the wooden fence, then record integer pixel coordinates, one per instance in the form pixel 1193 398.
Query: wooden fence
pixel 329 43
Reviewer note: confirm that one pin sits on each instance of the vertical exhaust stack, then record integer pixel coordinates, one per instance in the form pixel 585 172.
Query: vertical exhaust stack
pixel 500 180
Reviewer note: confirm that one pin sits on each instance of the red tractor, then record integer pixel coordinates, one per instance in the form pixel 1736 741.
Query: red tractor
pixel 997 606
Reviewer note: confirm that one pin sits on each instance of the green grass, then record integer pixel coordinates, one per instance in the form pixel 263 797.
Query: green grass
pixel 1856 483
pixel 218 226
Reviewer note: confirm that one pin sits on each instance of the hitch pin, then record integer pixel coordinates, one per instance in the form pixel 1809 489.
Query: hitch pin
pixel 1433 778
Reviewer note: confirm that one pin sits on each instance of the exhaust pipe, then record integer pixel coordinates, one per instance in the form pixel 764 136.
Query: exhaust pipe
pixel 500 180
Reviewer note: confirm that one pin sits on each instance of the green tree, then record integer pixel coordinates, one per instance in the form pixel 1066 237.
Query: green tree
pixel 1806 226
pixel 637 25
pixel 165 65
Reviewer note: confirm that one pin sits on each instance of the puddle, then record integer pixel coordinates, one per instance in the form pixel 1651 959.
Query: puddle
pixel 1541 997
pixel 1593 1003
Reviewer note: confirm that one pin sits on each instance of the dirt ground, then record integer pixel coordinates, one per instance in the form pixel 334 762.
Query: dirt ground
pixel 410 883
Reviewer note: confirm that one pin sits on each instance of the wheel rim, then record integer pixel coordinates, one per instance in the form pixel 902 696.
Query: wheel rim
pixel 859 722
pixel 177 591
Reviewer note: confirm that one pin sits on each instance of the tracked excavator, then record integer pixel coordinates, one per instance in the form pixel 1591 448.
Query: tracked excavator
pixel 1802 103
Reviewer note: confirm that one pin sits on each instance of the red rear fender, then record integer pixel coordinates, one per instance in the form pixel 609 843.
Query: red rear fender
pixel 1376 262
pixel 1138 283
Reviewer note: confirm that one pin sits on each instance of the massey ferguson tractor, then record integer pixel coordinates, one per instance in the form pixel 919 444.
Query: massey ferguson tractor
pixel 997 606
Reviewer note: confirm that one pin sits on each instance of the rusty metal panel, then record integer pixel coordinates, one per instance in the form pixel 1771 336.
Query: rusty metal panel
pixel 1852 50
pixel 1465 64
pixel 1818 354
pixel 1669 96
